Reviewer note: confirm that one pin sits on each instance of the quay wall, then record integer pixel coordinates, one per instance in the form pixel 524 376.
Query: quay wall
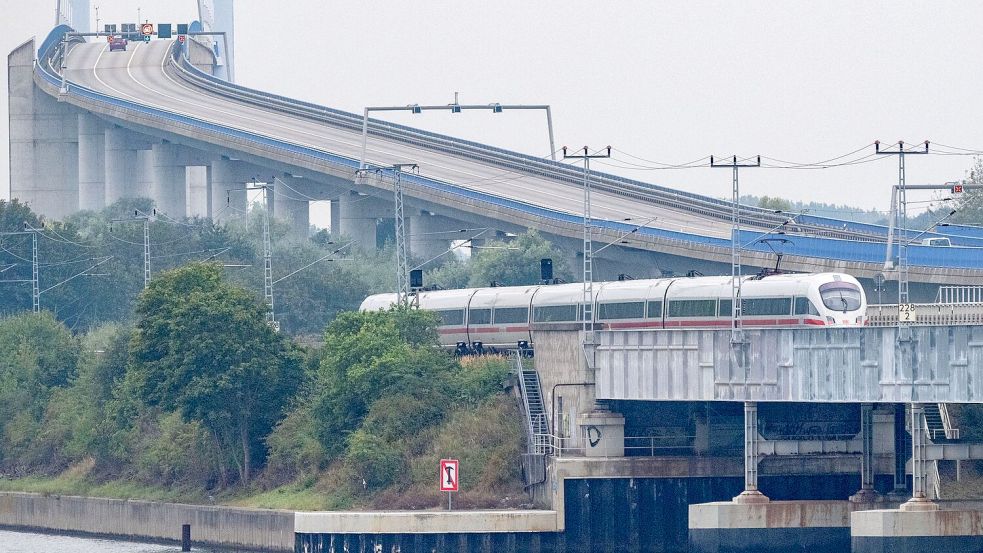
pixel 251 529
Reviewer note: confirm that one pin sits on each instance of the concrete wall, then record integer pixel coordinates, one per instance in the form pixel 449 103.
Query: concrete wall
pixel 563 373
pixel 248 528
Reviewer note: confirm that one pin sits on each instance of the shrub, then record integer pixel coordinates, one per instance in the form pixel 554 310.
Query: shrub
pixel 377 462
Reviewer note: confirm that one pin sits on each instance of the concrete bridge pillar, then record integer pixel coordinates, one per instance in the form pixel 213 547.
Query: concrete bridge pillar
pixel 226 186
pixel 359 216
pixel 335 222
pixel 92 162
pixel 751 494
pixel 198 196
pixel 430 235
pixel 292 208
pixel 126 172
pixel 43 141
pixel 169 188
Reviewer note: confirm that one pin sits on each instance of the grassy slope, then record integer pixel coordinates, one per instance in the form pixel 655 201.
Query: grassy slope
pixel 487 439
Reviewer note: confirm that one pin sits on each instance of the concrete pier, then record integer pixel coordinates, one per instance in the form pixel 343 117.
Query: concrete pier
pixel 900 531
pixel 43 142
pixel 92 162
pixel 128 165
pixel 226 186
pixel 360 215
pixel 169 190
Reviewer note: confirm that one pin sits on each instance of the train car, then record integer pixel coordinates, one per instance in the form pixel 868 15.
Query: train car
pixel 488 319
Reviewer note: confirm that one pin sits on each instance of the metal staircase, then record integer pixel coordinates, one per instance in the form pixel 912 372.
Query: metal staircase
pixel 938 423
pixel 539 440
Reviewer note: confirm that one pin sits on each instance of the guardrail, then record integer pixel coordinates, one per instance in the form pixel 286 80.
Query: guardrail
pixel 959 294
pixel 847 250
pixel 702 205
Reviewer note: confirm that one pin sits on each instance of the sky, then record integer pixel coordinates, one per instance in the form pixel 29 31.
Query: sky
pixel 660 82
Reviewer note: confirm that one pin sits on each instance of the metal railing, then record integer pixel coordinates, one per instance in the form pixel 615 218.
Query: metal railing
pixel 928 314
pixel 959 294
pixel 537 442
pixel 663 446
pixel 950 432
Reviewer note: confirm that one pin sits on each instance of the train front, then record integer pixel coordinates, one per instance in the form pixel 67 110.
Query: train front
pixel 840 299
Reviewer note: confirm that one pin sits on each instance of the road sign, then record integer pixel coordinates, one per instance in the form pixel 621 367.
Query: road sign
pixel 109 38
pixel 957 189
pixel 163 30
pixel 146 38
pixel 180 38
pixel 147 29
pixel 448 475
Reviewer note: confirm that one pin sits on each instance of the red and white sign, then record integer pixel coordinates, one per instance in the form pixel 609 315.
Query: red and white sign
pixel 448 477
pixel 957 189
pixel 109 38
pixel 180 38
pixel 147 28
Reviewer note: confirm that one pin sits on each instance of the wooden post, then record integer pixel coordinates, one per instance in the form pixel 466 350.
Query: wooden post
pixel 185 537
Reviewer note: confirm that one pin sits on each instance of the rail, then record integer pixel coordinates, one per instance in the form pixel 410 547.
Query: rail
pixel 951 433
pixel 662 446
pixel 959 294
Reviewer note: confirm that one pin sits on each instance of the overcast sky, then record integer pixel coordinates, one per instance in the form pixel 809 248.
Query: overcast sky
pixel 669 82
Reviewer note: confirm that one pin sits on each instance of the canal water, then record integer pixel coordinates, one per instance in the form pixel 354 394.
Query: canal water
pixel 23 542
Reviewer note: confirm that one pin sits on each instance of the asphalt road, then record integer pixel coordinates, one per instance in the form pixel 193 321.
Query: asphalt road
pixel 138 75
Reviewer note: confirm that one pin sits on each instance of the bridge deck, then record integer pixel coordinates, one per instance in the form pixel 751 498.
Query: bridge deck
pixel 941 364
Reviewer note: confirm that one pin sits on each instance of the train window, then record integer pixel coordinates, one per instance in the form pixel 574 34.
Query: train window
pixel 511 315
pixel 725 309
pixel 692 308
pixel 655 309
pixel 554 313
pixel 841 296
pixel 479 316
pixel 766 306
pixel 451 317
pixel 623 310
pixel 805 307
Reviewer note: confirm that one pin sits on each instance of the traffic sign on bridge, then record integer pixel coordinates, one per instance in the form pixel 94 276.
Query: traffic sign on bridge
pixel 180 38
pixel 147 29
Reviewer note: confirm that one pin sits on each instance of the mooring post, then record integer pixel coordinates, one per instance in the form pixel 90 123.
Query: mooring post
pixel 185 537
pixel 751 493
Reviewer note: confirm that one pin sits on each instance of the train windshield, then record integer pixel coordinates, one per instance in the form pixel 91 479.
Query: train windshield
pixel 841 296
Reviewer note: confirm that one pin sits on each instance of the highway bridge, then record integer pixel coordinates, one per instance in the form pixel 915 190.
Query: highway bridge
pixel 91 127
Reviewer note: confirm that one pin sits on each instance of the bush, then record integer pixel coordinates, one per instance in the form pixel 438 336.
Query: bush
pixel 481 378
pixel 402 415
pixel 294 448
pixel 181 453
pixel 377 462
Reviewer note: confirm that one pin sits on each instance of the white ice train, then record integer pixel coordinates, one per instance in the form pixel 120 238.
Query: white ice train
pixel 503 317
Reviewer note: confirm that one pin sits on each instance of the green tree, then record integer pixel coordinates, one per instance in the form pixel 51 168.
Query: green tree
pixel 368 356
pixel 38 357
pixel 517 262
pixel 202 347
pixel 970 206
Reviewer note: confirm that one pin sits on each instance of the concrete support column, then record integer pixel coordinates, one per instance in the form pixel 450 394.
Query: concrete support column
pixel 430 235
pixel 751 494
pixel 866 493
pixel 169 189
pixel 43 141
pixel 226 186
pixel 360 215
pixel 335 206
pixel 290 207
pixel 127 168
pixel 92 162
pixel 919 465
pixel 198 196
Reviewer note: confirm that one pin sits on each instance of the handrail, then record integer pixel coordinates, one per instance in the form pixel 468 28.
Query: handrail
pixel 959 294
pixel 950 432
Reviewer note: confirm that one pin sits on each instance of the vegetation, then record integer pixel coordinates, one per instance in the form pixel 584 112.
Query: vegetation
pixel 184 392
